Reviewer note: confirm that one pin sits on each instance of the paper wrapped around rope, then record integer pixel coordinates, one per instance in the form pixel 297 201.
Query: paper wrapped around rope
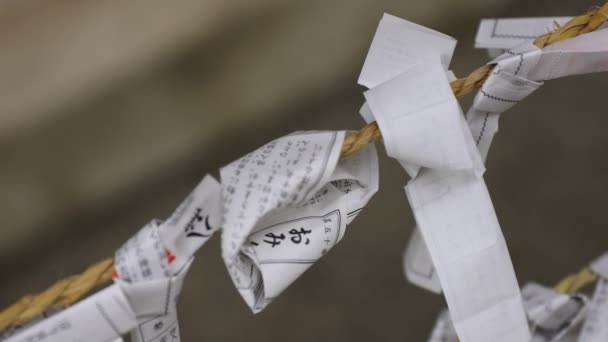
pixel 506 86
pixel 516 75
pixel 397 45
pixel 150 269
pixel 390 54
pixel 553 315
pixel 144 291
pixel 586 53
pixel 103 317
pixel 150 261
pixel 196 219
pixel 595 328
pixel 142 271
pixel 286 205
pixel 417 264
pixel 449 199
pixel 499 35
pixel 443 330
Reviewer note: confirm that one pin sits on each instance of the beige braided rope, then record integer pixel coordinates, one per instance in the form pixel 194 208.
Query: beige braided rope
pixel 69 290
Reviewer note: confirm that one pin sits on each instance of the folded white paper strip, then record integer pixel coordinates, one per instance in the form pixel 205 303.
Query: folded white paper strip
pixel 150 269
pixel 584 54
pixel 505 87
pixel 552 315
pixel 154 302
pixel 196 219
pixel 456 217
pixel 417 264
pixel 448 197
pixel 391 51
pixel 516 75
pixel 499 35
pixel 157 253
pixel 286 205
pixel 142 268
pixel 443 331
pixel 102 317
pixel 600 266
pixel 595 328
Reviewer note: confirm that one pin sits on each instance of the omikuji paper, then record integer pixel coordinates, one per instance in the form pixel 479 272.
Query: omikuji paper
pixel 286 205
pixel 552 315
pixel 515 77
pixel 418 267
pixel 192 224
pixel 449 198
pixel 443 331
pixel 144 274
pixel 150 269
pixel 397 45
pixel 505 33
pixel 103 317
pixel 595 328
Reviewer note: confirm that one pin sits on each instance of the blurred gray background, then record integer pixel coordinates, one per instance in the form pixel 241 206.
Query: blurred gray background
pixel 111 111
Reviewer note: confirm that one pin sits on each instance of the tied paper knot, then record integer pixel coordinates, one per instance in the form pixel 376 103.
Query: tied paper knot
pixel 286 205
pixel 150 270
pixel 152 265
pixel 553 316
pixel 595 328
pixel 507 85
pixel 415 114
pixel 143 273
pixel 420 121
pixel 425 130
pixel 149 283
pixel 502 91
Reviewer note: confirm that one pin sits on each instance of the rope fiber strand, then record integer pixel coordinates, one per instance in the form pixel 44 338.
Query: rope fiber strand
pixel 71 289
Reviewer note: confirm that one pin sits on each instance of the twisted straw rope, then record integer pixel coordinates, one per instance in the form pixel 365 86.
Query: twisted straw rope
pixel 69 290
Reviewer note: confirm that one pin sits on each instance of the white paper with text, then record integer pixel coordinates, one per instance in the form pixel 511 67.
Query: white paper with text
pixel 286 205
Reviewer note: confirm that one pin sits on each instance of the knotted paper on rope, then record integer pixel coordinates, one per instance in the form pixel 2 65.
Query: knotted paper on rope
pixel 500 35
pixel 517 73
pixel 424 128
pixel 553 316
pixel 595 328
pixel 150 270
pixel 286 205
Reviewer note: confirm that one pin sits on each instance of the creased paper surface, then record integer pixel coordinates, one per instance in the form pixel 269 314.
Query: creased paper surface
pixel 286 205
